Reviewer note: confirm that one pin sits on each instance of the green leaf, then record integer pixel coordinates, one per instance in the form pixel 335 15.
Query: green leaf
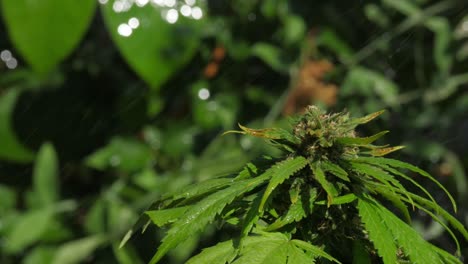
pixel 29 229
pixel 78 250
pixel 443 38
pixel 448 258
pixel 188 193
pixel 270 251
pixel 403 165
pixel 199 189
pixel 398 173
pixel 382 177
pixel 166 216
pixel 360 253
pixel 46 31
pixel 127 154
pixel 326 185
pixel 203 212
pixel 281 172
pixel 8 200
pixel 369 83
pixel 446 89
pixel 40 255
pixel 251 216
pixel 347 198
pixel 377 14
pixel 335 170
pixel 331 40
pixel 414 246
pixel 443 224
pixel 221 253
pixel 294 29
pixel 226 251
pixel 316 251
pixel 297 255
pixel 294 214
pixel 151 45
pixel 361 140
pixel 126 255
pixel 95 217
pixel 440 211
pixel 395 199
pixel 11 149
pixel 45 175
pixel 378 234
pixel 271 55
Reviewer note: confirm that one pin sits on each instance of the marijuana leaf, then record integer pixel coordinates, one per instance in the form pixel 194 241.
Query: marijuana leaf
pixel 324 163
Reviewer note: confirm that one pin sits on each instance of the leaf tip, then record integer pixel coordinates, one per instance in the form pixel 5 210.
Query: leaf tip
pixel 125 239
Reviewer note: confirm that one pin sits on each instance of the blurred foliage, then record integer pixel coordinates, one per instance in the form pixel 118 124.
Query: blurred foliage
pixel 106 105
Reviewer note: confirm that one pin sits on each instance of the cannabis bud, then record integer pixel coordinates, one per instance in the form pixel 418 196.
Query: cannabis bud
pixel 320 200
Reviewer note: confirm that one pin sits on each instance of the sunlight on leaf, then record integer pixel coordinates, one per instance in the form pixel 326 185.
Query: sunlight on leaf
pixel 28 229
pixel 156 41
pixel 46 31
pixel 76 251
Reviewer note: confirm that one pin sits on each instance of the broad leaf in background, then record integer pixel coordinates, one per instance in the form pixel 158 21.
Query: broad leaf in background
pixel 123 153
pixel 329 39
pixel 126 255
pixel 10 148
pixel 154 39
pixel 45 175
pixel 46 31
pixel 8 201
pixel 271 55
pixel 213 111
pixel 40 255
pixel 78 250
pixel 442 40
pixel 368 82
pixel 29 229
pixel 294 29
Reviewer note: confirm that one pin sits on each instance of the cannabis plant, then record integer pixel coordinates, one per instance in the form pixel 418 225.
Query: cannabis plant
pixel 331 197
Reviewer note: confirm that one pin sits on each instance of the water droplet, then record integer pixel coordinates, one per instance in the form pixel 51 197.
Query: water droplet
pixel 186 10
pixel 158 2
pixel 12 63
pixel 141 3
pixel 169 3
pixel 133 22
pixel 124 30
pixel 190 2
pixel 204 93
pixel 172 16
pixel 6 55
pixel 197 13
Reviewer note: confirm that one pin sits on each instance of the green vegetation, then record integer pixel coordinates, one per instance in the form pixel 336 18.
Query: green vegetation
pixel 109 105
pixel 317 201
